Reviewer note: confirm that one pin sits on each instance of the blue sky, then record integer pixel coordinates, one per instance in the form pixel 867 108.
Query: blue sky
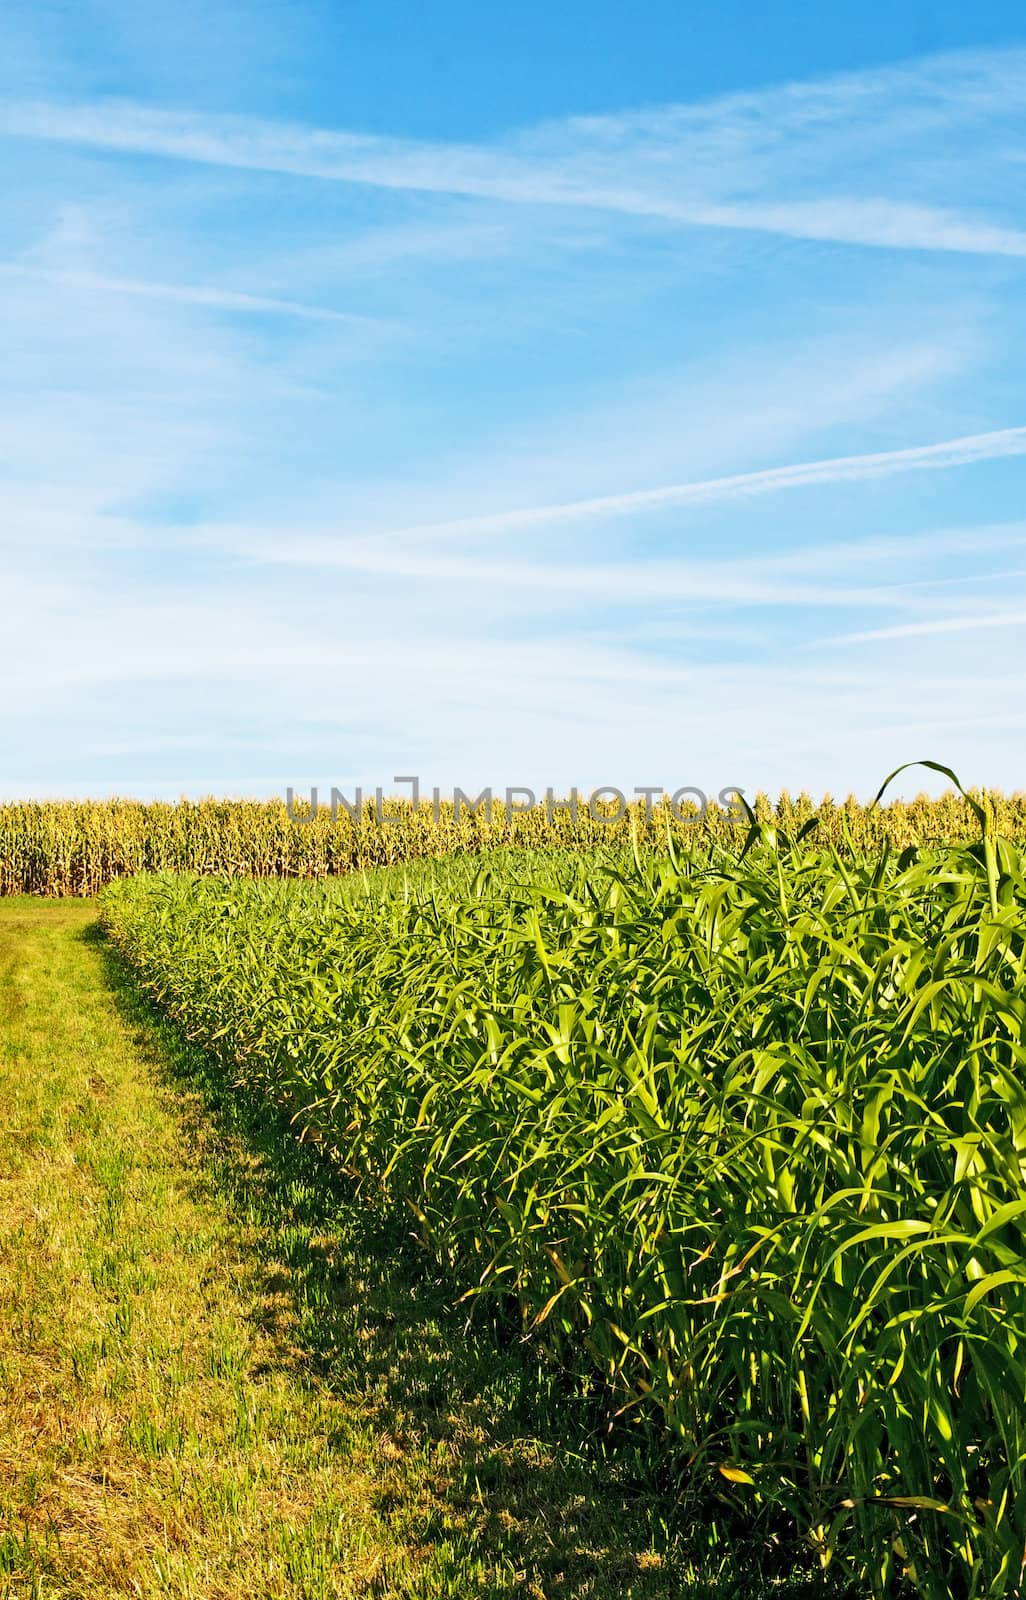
pixel 551 394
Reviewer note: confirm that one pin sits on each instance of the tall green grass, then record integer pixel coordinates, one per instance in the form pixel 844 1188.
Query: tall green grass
pixel 742 1135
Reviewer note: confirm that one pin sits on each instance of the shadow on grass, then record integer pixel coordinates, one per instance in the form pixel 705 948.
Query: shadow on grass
pixel 501 1452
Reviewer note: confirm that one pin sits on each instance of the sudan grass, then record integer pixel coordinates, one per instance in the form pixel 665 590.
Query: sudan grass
pixel 741 1138
pixel 222 1379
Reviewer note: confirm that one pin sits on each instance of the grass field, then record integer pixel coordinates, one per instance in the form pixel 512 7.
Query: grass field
pixel 221 1378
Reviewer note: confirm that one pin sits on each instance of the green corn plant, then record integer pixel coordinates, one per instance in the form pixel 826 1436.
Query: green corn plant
pixel 737 1132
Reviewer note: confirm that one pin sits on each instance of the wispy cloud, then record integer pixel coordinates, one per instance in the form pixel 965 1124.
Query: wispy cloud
pixel 934 625
pixel 219 299
pixel 658 417
pixel 947 453
pixel 469 708
pixel 876 223
pixel 770 585
pixel 757 162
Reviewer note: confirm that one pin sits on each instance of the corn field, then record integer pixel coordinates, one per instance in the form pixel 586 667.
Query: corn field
pixel 736 1133
pixel 76 848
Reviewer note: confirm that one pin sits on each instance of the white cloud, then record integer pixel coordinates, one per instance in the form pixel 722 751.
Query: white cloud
pixel 504 551
pixel 217 298
pixel 737 486
pixel 934 625
pixel 751 162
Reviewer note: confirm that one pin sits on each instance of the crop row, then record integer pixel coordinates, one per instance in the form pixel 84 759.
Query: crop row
pixel 70 848
pixel 743 1139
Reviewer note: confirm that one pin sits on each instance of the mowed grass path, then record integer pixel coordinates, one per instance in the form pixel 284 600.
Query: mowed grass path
pixel 218 1379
